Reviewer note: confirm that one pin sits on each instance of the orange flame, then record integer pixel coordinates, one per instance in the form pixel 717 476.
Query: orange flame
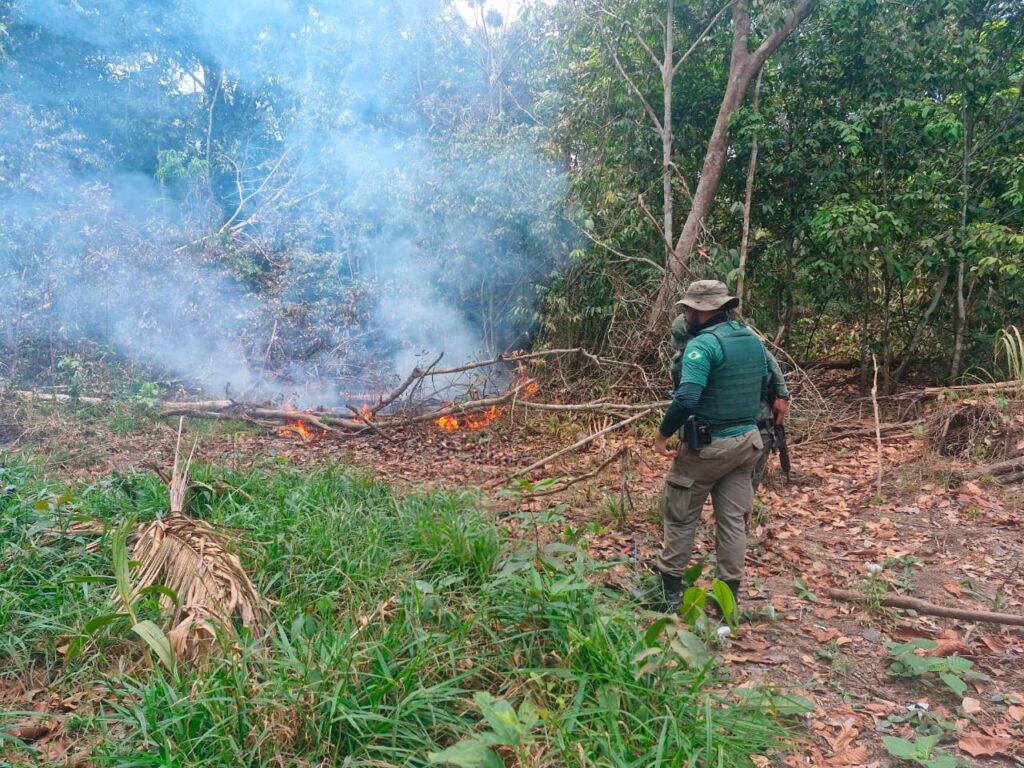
pixel 366 411
pixel 531 389
pixel 298 426
pixel 469 421
pixel 307 434
pixel 447 423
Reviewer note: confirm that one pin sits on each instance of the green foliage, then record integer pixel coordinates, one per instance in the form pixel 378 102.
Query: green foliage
pixel 507 727
pixel 1011 344
pixel 910 661
pixel 391 614
pixel 802 591
pixel 921 751
pixel 172 165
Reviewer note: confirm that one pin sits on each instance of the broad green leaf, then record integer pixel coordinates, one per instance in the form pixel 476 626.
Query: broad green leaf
pixel 469 753
pixel 723 596
pixel 958 686
pixel 926 744
pixel 646 653
pixel 155 638
pixel 690 648
pixel 901 748
pixel 104 620
pixel 500 715
pixel 958 664
pixel 654 631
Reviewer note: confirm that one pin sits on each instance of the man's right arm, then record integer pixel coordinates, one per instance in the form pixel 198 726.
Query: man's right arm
pixel 781 403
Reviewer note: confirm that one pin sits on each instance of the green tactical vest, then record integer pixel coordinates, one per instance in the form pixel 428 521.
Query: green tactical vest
pixel 733 391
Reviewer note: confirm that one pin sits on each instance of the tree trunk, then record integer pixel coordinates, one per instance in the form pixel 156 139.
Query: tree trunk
pixel 743 66
pixel 961 265
pixel 911 348
pixel 748 197
pixel 667 73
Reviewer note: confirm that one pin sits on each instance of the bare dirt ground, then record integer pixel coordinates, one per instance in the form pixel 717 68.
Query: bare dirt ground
pixel 927 535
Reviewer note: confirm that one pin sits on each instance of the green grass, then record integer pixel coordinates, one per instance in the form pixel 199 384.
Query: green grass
pixel 389 613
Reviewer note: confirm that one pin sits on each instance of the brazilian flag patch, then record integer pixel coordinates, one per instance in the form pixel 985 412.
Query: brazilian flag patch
pixel 695 355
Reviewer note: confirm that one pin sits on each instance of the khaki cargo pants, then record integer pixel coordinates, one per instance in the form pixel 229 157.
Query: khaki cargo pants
pixel 722 469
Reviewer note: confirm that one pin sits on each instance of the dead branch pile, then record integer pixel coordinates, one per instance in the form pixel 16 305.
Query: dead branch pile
pixel 976 429
pixel 427 394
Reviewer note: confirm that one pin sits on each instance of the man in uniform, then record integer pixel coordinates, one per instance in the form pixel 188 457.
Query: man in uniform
pixel 717 400
pixel 773 408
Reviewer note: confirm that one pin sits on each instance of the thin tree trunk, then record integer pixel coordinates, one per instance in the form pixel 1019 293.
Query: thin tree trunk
pixel 748 196
pixel 667 73
pixel 961 265
pixel 209 116
pixel 908 353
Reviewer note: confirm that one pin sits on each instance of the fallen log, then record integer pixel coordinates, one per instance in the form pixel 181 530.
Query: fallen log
pixel 341 426
pixel 999 468
pixel 59 398
pixel 928 609
pixel 866 432
pixel 1011 478
pixel 995 386
pixel 200 405
pixel 321 421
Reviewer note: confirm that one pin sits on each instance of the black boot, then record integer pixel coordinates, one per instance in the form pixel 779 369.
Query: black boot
pixel 666 595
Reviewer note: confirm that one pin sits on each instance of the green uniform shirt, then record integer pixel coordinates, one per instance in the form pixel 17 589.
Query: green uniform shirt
pixel 702 354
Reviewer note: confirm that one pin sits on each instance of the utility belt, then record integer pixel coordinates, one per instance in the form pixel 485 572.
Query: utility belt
pixel 697 434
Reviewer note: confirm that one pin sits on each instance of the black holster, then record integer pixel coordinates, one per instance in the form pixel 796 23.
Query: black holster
pixel 696 434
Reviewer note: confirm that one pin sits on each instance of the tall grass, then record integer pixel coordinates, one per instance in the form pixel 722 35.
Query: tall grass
pixel 1010 342
pixel 389 614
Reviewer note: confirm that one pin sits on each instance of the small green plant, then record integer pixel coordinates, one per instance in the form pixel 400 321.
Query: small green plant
pixel 802 591
pixel 905 577
pixel 920 751
pixel 147 396
pixel 910 661
pixel 923 720
pixel 759 515
pixel 828 652
pixel 508 728
pixel 155 639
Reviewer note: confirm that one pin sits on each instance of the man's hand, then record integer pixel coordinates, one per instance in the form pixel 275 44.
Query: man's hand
pixel 779 407
pixel 661 446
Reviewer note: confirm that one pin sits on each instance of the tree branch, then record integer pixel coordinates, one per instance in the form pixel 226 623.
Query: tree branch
pixel 793 20
pixel 613 50
pixel 702 36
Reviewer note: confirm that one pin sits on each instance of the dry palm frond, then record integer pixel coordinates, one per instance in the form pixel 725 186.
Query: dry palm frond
pixel 191 559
